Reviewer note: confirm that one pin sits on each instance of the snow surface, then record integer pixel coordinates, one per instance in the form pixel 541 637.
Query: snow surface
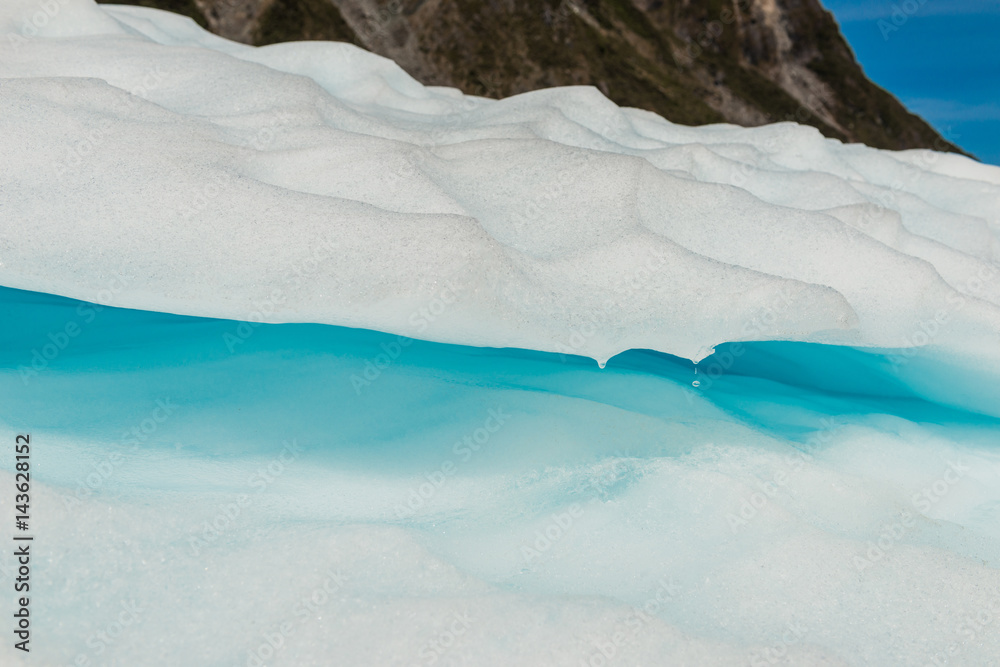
pixel 202 172
pixel 825 492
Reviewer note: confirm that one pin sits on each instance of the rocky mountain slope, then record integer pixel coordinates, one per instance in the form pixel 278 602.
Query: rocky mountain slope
pixel 747 62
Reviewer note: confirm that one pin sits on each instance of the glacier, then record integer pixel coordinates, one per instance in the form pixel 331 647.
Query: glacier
pixel 327 367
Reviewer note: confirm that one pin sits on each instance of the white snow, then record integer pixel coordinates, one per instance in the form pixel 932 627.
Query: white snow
pixel 200 171
pixel 802 506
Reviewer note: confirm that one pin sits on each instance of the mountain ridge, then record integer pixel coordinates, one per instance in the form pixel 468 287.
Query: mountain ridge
pixel 746 62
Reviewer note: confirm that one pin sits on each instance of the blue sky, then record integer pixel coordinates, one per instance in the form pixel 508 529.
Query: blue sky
pixel 941 58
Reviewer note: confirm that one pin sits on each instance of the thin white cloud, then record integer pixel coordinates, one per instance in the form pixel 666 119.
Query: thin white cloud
pixel 852 11
pixel 949 110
